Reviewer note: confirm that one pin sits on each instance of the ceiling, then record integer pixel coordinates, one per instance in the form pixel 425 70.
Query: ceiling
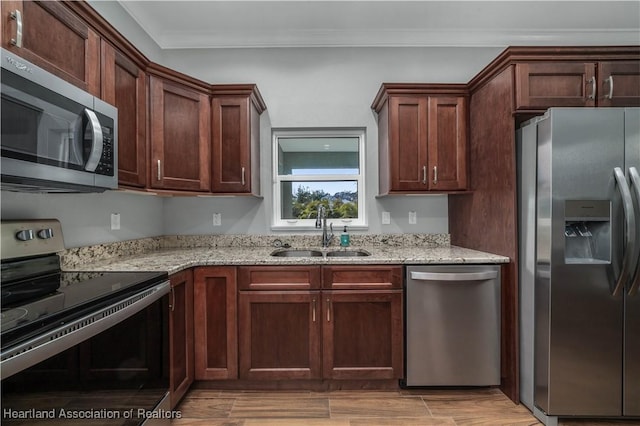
pixel 304 23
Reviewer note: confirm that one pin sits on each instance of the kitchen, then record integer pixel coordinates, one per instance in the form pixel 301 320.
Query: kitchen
pixel 302 88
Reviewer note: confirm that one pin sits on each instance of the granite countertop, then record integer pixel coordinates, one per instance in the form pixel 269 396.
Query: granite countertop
pixel 174 259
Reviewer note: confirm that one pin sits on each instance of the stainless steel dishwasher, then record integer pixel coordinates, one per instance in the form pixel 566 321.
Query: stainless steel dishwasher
pixel 453 325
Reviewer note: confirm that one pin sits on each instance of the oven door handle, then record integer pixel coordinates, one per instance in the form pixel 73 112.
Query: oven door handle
pixel 97 142
pixel 42 347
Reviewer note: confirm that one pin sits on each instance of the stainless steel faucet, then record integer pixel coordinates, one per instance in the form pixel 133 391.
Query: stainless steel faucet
pixel 321 222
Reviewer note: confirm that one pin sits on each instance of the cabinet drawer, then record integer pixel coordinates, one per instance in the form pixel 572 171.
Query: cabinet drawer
pixel 279 278
pixel 371 277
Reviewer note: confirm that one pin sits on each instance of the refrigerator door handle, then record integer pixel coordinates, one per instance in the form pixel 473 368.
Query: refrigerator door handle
pixel 635 184
pixel 630 224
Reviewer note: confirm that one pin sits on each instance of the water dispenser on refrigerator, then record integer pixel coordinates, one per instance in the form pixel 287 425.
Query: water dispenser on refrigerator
pixel 587 231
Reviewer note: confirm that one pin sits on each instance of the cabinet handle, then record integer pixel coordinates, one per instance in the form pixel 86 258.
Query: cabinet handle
pixel 173 300
pixel 243 176
pixel 610 94
pixel 328 310
pixel 592 80
pixel 17 16
pixel 435 175
pixel 313 311
pixel 424 175
pixel 159 168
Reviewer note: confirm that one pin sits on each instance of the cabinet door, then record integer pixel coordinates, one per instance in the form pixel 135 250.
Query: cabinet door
pixel 279 335
pixel 231 155
pixel 447 166
pixel 362 334
pixel 181 351
pixel 408 143
pixel 56 39
pixel 124 85
pixel 215 312
pixel 542 85
pixel 179 137
pixel 619 84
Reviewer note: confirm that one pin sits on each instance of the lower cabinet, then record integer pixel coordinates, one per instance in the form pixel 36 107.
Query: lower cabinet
pixel 215 316
pixel 280 335
pixel 348 328
pixel 362 334
pixel 181 357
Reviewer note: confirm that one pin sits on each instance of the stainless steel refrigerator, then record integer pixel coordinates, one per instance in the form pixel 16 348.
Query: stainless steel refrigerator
pixel 579 217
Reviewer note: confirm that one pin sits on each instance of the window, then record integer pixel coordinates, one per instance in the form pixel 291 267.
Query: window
pixel 314 168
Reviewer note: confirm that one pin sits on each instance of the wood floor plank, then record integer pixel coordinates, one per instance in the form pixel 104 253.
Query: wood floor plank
pixel 377 407
pixel 280 407
pixel 403 421
pixel 206 408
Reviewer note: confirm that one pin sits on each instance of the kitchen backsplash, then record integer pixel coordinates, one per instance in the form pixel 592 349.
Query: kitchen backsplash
pixel 82 255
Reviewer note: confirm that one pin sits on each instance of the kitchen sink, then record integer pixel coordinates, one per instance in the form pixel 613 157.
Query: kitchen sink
pixel 318 253
pixel 348 253
pixel 296 253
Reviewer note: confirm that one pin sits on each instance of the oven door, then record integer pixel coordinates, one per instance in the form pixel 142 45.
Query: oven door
pixel 117 377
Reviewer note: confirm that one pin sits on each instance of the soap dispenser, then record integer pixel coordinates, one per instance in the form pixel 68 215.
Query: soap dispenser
pixel 344 238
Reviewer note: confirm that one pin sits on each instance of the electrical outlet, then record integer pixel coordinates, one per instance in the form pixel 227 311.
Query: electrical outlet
pixel 386 218
pixel 217 219
pixel 412 218
pixel 115 221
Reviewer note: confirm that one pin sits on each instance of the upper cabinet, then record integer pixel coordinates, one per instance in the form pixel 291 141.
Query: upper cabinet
pixel 235 124
pixel 51 36
pixel 124 85
pixel 179 139
pixel 422 137
pixel 541 85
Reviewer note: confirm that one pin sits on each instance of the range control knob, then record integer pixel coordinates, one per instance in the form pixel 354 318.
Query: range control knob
pixel 25 235
pixel 45 234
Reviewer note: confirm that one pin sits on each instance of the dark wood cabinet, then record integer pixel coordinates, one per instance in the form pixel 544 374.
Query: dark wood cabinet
pixel 179 139
pixel 215 314
pixel 362 334
pixel 279 322
pixel 280 335
pixel 124 85
pixel 362 322
pixel 181 335
pixel 542 85
pixel 54 38
pixel 235 124
pixel 351 329
pixel 619 83
pixel 422 138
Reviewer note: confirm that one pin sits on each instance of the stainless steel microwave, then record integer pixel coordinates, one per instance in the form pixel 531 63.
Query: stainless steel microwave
pixel 55 136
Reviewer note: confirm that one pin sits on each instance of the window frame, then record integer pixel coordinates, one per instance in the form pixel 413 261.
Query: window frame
pixel 277 222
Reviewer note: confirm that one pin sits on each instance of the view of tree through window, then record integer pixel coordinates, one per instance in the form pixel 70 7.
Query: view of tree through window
pixel 318 169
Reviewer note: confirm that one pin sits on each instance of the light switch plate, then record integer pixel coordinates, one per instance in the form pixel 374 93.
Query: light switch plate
pixel 217 219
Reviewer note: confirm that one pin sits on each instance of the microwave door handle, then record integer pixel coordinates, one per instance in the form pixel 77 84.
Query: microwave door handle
pixel 635 184
pixel 96 141
pixel 630 225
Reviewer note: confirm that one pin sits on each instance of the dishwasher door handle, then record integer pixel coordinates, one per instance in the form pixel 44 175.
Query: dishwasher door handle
pixel 454 276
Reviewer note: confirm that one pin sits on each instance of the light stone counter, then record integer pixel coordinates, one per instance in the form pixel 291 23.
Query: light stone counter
pixel 173 254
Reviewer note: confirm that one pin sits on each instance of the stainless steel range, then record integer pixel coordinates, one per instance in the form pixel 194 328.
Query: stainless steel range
pixel 88 345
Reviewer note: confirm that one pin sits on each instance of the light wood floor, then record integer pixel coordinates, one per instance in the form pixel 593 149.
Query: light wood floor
pixel 356 408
